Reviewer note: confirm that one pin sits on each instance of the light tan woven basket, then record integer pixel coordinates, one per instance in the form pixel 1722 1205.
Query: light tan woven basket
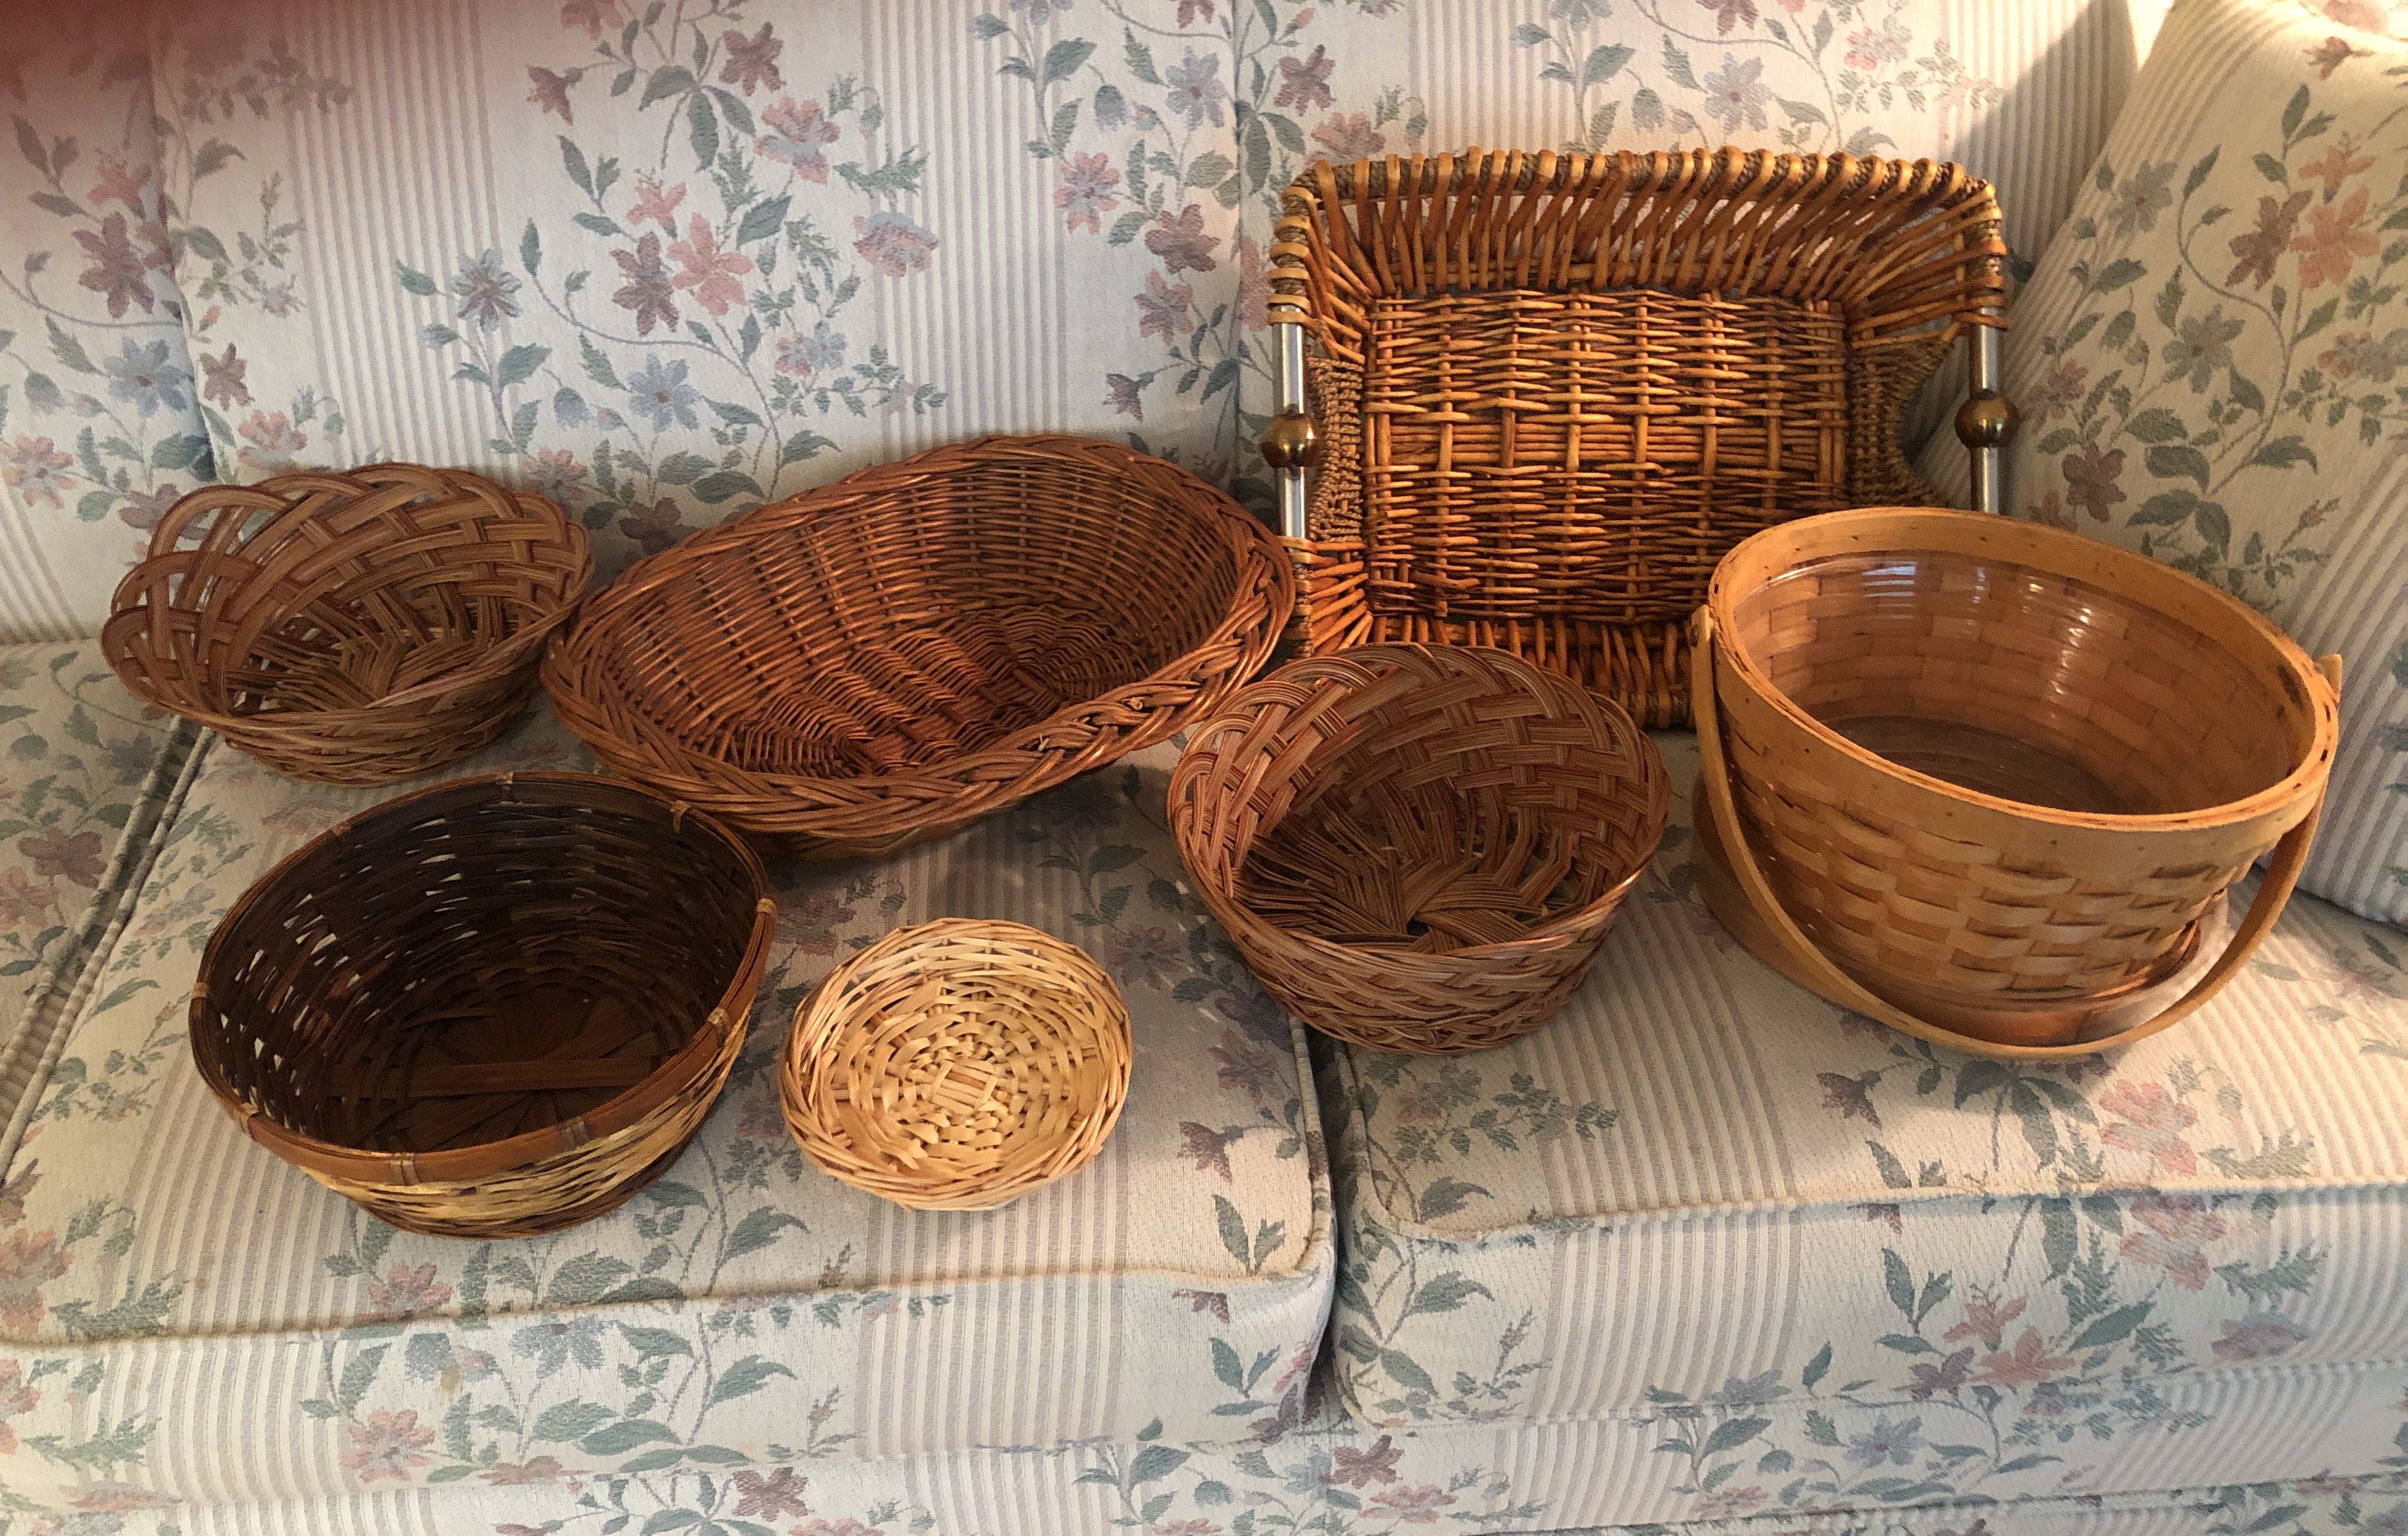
pixel 1975 765
pixel 493 1008
pixel 1418 848
pixel 957 1064
pixel 1552 389
pixel 348 628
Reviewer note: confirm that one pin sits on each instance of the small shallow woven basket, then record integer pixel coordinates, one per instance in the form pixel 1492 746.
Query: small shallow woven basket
pixel 1418 848
pixel 1552 389
pixel 957 1064
pixel 925 642
pixel 348 628
pixel 496 1007
pixel 1981 764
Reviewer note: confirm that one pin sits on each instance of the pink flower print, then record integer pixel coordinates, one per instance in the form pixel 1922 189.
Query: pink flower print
pixel 76 855
pixel 2259 1336
pixel 1085 190
pixel 24 904
pixel 1417 1506
pixel 408 1290
pixel 656 203
pixel 514 1474
pixel 16 1397
pixel 2028 1363
pixel 594 16
pixel 768 1497
pixel 797 130
pixel 1180 242
pixel 751 62
pixel 38 471
pixel 120 183
pixel 2150 1121
pixel 557 474
pixel 1986 1318
pixel 273 440
pixel 893 243
pixel 2330 247
pixel 715 276
pixel 2168 1232
pixel 547 91
pixel 388 1445
pixel 1162 308
pixel 1121 393
pixel 2338 165
pixel 1349 135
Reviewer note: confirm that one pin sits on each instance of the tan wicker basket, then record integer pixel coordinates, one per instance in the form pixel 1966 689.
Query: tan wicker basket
pixel 493 1008
pixel 957 1064
pixel 924 642
pixel 1418 848
pixel 348 628
pixel 1552 390
pixel 1984 765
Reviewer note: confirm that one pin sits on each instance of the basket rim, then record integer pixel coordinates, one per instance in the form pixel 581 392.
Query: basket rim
pixel 130 613
pixel 483 1159
pixel 1259 563
pixel 1653 777
pixel 2051 552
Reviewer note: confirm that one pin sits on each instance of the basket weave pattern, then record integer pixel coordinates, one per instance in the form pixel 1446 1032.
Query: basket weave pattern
pixel 1418 849
pixel 348 628
pixel 1983 759
pixel 1554 389
pixel 493 1008
pixel 924 642
pixel 957 1064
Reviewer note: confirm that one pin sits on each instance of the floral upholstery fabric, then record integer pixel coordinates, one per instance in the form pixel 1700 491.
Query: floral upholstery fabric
pixel 1703 1188
pixel 83 772
pixel 663 264
pixel 2209 362
pixel 156 1267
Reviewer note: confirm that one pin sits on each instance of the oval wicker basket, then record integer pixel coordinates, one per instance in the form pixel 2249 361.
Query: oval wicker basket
pixel 1965 763
pixel 348 628
pixel 922 643
pixel 1418 848
pixel 496 1007
pixel 957 1064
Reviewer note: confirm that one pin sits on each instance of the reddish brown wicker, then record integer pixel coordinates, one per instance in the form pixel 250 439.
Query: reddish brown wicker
pixel 1554 389
pixel 924 642
pixel 496 1007
pixel 348 628
pixel 1418 848
pixel 1989 768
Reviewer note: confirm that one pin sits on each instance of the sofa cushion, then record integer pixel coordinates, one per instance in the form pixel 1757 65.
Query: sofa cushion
pixel 84 770
pixel 157 1270
pixel 2212 365
pixel 1701 1185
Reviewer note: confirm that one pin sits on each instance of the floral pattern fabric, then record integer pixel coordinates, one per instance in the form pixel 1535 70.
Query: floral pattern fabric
pixel 2210 363
pixel 745 1309
pixel 2026 1251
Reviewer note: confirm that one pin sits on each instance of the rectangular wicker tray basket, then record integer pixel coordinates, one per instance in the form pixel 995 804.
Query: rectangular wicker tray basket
pixel 1552 390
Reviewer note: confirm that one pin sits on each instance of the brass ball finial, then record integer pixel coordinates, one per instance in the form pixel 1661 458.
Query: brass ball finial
pixel 1987 420
pixel 1291 442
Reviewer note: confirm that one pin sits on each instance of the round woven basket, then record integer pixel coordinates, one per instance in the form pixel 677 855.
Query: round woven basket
pixel 924 642
pixel 1980 763
pixel 1418 848
pixel 957 1064
pixel 348 628
pixel 496 1007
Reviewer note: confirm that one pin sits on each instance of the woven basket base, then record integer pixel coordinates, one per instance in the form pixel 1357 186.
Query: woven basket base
pixel 2069 1029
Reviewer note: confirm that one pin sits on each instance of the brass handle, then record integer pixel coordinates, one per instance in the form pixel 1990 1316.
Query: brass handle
pixel 1291 442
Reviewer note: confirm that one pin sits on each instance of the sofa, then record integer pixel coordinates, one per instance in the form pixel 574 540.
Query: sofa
pixel 1704 1254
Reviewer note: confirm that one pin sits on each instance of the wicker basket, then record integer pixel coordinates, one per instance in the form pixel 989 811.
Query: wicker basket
pixel 1418 849
pixel 924 642
pixel 1552 390
pixel 1981 764
pixel 348 628
pixel 957 1064
pixel 496 1007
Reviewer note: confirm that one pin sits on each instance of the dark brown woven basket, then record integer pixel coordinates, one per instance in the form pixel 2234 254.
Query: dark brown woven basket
pixel 924 642
pixel 1554 389
pixel 1418 848
pixel 496 1007
pixel 348 628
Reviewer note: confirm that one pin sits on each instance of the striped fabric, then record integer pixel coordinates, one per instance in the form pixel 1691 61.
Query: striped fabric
pixel 467 233
pixel 2209 362
pixel 1701 1185
pixel 255 1337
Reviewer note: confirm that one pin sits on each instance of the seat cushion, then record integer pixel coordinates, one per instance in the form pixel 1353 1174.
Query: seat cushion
pixel 83 771
pixel 160 1272
pixel 1701 1185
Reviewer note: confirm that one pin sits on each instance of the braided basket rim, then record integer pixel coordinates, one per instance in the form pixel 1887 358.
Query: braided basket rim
pixel 131 612
pixel 623 1111
pixel 1923 530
